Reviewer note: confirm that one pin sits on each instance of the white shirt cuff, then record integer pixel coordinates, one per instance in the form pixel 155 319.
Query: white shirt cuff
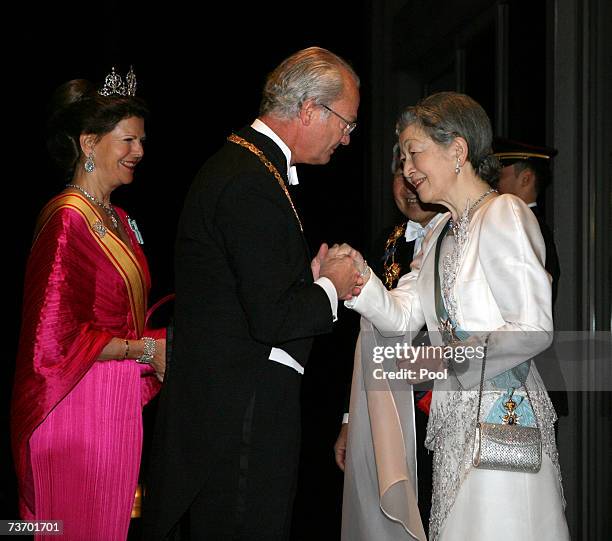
pixel 282 357
pixel 331 293
pixel 345 419
pixel 352 302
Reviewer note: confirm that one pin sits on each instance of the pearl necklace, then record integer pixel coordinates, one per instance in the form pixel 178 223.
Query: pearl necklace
pixel 110 211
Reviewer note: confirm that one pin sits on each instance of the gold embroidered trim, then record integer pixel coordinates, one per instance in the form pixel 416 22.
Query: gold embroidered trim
pixel 392 269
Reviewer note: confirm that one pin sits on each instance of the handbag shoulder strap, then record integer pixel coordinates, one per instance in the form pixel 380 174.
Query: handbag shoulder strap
pixel 444 320
pixel 482 374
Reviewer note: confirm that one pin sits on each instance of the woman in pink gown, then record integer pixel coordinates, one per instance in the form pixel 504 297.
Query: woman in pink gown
pixel 86 364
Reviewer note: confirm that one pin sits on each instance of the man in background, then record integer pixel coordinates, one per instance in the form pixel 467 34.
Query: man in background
pixel 526 173
pixel 399 246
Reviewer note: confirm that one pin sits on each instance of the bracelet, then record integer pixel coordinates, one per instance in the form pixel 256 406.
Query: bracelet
pixel 366 270
pixel 127 350
pixel 148 350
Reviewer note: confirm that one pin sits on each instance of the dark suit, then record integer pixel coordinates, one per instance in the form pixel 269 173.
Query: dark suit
pixel 226 441
pixel 548 364
pixel 403 252
pixel 552 259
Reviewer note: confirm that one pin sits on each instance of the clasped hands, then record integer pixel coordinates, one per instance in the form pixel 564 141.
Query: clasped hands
pixel 344 266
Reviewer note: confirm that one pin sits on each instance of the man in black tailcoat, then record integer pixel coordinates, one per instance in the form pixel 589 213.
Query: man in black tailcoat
pixel 248 303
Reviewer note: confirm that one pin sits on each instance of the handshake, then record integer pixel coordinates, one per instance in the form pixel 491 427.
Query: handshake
pixel 344 266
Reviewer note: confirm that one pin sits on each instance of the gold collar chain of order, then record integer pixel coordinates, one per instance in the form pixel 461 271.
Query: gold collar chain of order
pixel 392 269
pixel 270 166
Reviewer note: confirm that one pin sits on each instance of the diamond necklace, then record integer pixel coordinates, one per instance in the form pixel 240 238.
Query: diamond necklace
pixel 110 211
pixel 452 260
pixel 456 226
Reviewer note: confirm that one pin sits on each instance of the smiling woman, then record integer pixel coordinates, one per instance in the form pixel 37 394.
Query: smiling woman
pixel 87 361
pixel 436 148
pixel 118 151
pixel 479 282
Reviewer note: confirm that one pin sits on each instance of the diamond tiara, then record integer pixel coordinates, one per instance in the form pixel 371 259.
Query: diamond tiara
pixel 115 86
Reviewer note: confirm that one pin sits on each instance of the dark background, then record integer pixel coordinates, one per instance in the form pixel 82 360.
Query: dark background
pixel 201 76
pixel 540 69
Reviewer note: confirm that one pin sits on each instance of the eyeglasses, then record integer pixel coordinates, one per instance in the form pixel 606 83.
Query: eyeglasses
pixel 350 126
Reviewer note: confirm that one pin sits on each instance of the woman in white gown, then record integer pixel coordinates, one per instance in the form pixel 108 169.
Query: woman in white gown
pixel 493 290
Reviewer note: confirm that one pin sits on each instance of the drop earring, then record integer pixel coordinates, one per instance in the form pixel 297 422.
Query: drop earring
pixel 457 167
pixel 90 165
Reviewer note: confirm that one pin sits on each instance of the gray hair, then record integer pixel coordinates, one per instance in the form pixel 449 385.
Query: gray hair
pixel 446 115
pixel 312 73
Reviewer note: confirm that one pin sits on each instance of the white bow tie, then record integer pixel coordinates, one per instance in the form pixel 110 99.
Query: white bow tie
pixel 292 176
pixel 414 231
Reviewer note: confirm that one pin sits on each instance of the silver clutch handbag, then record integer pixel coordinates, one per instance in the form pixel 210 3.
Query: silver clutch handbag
pixel 508 447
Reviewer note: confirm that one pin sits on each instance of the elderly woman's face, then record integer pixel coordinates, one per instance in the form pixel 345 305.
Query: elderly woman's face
pixel 118 152
pixel 428 166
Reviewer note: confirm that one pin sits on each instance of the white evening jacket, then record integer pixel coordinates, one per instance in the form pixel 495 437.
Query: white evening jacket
pixel 501 286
